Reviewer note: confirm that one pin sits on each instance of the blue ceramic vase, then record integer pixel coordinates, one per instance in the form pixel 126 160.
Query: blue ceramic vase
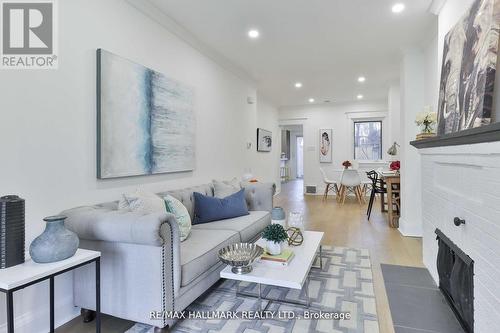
pixel 278 216
pixel 55 243
pixel 278 213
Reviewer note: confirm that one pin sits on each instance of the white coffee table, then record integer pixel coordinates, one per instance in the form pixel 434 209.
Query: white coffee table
pixel 294 276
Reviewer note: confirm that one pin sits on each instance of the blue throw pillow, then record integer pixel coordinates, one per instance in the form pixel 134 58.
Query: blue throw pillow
pixel 208 209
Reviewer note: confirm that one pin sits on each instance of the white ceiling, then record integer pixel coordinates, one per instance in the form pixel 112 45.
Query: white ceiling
pixel 325 44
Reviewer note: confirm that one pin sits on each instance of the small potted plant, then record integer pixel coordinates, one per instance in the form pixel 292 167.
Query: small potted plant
pixel 275 235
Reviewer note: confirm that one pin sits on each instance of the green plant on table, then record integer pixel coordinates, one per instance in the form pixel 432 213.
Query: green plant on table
pixel 275 233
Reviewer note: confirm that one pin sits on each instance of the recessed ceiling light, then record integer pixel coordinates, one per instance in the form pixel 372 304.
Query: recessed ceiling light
pixel 253 33
pixel 311 100
pixel 361 79
pixel 298 85
pixel 398 8
pixel 360 96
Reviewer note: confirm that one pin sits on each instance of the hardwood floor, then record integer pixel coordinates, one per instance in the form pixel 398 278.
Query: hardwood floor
pixel 346 225
pixel 343 225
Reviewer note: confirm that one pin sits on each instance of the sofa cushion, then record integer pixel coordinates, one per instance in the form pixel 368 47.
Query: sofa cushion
pixel 248 226
pixel 176 207
pixel 225 188
pixel 208 208
pixel 185 195
pixel 200 251
pixel 141 201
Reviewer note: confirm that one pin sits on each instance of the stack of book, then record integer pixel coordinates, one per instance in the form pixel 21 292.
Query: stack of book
pixel 422 136
pixel 282 259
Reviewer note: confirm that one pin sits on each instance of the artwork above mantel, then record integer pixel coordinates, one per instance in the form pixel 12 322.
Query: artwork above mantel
pixel 466 94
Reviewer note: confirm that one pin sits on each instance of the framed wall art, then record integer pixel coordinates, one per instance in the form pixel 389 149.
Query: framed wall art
pixel 325 145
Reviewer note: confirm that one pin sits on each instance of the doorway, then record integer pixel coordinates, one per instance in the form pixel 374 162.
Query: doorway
pixel 292 153
pixel 300 157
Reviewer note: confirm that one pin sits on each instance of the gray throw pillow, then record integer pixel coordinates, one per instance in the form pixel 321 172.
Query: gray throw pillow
pixel 225 188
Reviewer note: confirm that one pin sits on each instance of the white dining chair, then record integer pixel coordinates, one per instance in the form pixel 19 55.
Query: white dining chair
pixel 350 182
pixel 330 184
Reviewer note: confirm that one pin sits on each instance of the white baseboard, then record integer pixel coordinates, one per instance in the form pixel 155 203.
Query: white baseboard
pixel 409 230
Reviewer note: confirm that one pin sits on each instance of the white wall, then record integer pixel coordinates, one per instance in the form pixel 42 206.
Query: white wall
pixel 394 106
pixel 431 73
pixel 266 166
pixel 412 102
pixel 48 127
pixel 419 86
pixel 338 118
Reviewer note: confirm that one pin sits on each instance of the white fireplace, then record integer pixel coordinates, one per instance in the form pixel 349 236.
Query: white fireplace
pixel 464 181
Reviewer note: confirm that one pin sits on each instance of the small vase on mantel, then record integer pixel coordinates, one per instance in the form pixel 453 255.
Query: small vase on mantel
pixel 56 243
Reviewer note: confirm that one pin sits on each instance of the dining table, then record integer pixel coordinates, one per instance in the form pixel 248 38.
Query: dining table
pixel 392 180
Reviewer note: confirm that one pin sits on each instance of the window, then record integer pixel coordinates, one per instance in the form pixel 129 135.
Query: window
pixel 368 140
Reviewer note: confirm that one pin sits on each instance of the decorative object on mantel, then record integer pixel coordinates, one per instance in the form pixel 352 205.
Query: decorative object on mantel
pixel 240 256
pixel 490 133
pixel 278 216
pixel 426 120
pixel 295 237
pixel 145 120
pixel 393 151
pixel 275 235
pixel 56 243
pixel 325 145
pixel 468 69
pixel 12 231
pixel 346 164
pixel 264 140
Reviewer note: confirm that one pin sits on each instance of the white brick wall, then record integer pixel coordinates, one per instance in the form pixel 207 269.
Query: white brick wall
pixel 464 181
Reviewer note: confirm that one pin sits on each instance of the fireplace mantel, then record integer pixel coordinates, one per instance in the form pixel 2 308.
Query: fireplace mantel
pixel 488 133
pixel 462 181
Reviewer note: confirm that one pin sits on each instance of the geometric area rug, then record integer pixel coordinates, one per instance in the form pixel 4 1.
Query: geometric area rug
pixel 345 285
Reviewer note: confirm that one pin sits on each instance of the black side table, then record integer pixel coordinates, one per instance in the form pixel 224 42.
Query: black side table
pixel 24 275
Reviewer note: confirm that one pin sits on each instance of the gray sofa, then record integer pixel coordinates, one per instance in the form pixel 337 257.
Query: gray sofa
pixel 144 266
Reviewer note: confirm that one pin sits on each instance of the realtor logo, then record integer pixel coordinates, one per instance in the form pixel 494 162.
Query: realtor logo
pixel 28 35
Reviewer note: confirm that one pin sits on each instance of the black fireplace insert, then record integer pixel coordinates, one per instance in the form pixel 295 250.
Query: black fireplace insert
pixel 456 280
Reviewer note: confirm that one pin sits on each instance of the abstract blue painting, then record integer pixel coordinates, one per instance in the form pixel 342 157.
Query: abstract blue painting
pixel 146 121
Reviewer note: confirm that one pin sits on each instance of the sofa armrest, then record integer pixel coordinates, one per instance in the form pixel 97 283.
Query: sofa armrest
pixel 259 196
pixel 158 230
pixel 94 223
